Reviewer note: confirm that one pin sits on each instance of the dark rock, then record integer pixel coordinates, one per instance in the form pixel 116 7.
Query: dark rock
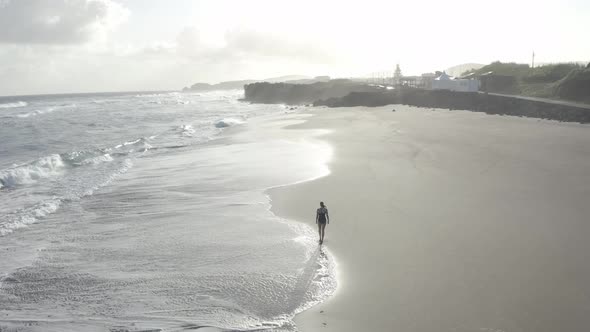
pixel 469 101
pixel 300 94
pixel 350 94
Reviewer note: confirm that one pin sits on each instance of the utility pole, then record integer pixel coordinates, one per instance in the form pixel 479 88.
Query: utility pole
pixel 397 75
pixel 533 64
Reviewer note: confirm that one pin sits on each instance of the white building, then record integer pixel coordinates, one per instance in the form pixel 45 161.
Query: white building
pixel 446 82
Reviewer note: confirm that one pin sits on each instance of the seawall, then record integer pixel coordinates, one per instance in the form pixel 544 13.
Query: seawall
pixel 470 101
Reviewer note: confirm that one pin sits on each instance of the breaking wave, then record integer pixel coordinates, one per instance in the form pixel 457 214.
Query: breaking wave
pixel 14 105
pixel 29 215
pixel 30 173
pixel 174 98
pixel 45 111
pixel 138 145
pixel 187 130
pixel 228 122
pixel 80 158
pixel 55 164
pixel 151 95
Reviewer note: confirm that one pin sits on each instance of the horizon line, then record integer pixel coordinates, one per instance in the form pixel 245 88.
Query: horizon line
pixel 84 93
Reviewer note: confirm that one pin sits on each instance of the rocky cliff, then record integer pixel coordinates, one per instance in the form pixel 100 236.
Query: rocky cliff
pixel 347 94
pixel 294 94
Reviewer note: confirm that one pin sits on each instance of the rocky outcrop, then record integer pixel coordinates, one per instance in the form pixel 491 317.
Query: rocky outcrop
pixel 346 93
pixel 229 85
pixel 295 94
pixel 238 85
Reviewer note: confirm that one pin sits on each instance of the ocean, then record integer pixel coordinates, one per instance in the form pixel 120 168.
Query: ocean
pixel 148 212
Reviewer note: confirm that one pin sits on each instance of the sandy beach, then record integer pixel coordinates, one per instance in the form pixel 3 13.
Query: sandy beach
pixel 450 221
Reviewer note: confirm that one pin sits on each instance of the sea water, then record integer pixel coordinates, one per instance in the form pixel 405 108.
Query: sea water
pixel 148 212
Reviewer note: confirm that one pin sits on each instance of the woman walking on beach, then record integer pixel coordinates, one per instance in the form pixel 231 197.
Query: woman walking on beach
pixel 322 218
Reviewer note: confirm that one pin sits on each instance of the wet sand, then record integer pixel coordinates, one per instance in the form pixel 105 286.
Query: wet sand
pixel 450 221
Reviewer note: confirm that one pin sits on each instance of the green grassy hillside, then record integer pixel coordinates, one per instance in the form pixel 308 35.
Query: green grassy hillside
pixel 562 80
pixel 575 86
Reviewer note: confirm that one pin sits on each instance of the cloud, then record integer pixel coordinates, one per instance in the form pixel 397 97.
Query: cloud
pixel 274 44
pixel 244 45
pixel 189 42
pixel 58 21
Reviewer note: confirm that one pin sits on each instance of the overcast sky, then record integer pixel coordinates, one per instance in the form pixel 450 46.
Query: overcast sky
pixel 57 46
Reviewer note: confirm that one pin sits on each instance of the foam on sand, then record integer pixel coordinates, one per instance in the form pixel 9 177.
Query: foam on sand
pixel 450 221
pixel 185 240
pixel 26 216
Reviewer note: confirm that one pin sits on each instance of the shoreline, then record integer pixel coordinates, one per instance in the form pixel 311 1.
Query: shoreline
pixel 434 230
pixel 239 279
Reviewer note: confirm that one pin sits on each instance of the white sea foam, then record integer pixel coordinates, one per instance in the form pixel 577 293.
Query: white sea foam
pixel 165 98
pixel 132 142
pixel 170 101
pixel 14 105
pixel 152 95
pixel 139 145
pixel 228 122
pixel 187 130
pixel 26 216
pixel 37 112
pixel 103 101
pixel 80 158
pixel 127 164
pixel 98 159
pixel 29 215
pixel 47 110
pixel 160 224
pixel 29 173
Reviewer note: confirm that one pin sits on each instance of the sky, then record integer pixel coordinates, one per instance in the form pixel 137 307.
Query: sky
pixel 62 46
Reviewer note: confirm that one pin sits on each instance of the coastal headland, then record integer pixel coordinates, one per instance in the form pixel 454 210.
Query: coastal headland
pixel 349 94
pixel 297 94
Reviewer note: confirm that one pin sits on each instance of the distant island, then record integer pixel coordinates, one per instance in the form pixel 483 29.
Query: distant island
pixel 233 85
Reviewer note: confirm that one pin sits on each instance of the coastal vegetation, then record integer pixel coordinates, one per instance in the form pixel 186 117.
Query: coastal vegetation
pixel 574 86
pixel 569 81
